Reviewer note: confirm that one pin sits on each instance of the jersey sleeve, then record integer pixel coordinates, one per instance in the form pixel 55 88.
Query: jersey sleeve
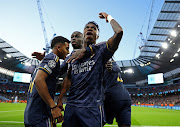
pixel 48 64
pixel 64 66
pixel 101 48
pixel 115 67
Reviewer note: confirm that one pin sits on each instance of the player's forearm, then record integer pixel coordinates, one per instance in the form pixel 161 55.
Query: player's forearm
pixel 65 87
pixel 43 92
pixel 62 93
pixel 116 27
pixel 116 38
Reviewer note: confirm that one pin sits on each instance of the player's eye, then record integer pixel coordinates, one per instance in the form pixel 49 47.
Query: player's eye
pixel 86 27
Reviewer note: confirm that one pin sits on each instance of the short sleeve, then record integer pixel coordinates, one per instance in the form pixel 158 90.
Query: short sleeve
pixel 48 64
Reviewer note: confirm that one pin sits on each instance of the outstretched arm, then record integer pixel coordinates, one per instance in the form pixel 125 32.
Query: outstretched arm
pixel 38 55
pixel 118 31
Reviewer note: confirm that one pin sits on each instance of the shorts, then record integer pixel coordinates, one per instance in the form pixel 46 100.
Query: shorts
pixel 116 107
pixel 120 110
pixel 82 116
pixel 43 123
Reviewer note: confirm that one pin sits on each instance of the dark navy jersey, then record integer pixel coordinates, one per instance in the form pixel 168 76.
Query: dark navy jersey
pixel 36 108
pixel 64 66
pixel 113 78
pixel 86 77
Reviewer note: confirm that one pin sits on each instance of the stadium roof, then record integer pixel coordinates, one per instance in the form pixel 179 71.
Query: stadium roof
pixel 14 60
pixel 153 57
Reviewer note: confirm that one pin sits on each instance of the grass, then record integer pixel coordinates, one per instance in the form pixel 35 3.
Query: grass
pixel 12 115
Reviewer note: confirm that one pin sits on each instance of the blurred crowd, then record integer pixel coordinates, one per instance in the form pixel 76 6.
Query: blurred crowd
pixel 157 95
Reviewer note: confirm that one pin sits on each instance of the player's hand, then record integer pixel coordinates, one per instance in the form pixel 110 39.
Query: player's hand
pixel 103 15
pixel 60 105
pixel 56 114
pixel 79 54
pixel 108 66
pixel 38 55
pixel 53 122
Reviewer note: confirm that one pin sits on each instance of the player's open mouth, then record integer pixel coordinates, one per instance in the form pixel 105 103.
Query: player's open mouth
pixel 89 33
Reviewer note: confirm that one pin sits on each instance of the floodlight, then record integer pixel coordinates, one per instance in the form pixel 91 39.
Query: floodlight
pixel 178 50
pixel 27 64
pixel 171 60
pixel 176 54
pixel 165 45
pixel 142 65
pixel 173 33
pixel 128 71
pixel 157 55
pixel 8 55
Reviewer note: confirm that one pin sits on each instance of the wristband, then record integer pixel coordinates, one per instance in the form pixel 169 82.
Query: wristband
pixel 109 18
pixel 54 107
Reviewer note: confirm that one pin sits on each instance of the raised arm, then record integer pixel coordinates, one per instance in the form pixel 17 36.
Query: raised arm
pixel 118 31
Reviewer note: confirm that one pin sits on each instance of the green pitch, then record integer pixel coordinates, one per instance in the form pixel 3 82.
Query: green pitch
pixel 11 115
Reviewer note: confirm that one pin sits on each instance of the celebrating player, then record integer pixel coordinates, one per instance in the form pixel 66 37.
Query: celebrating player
pixel 85 97
pixel 40 105
pixel 117 103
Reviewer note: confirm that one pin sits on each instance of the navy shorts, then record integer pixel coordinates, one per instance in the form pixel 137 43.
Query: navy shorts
pixel 82 116
pixel 117 108
pixel 43 123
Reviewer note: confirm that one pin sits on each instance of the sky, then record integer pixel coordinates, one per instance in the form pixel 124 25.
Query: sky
pixel 20 24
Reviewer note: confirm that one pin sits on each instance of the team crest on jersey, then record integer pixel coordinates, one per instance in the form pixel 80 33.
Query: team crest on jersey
pixel 52 64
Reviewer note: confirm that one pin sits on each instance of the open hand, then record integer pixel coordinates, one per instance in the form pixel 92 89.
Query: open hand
pixel 103 15
pixel 79 54
pixel 38 55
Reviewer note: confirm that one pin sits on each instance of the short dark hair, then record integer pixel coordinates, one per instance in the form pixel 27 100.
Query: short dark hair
pixel 77 32
pixel 58 39
pixel 93 22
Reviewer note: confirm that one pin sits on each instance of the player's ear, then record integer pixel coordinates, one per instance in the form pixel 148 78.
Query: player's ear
pixel 97 34
pixel 59 47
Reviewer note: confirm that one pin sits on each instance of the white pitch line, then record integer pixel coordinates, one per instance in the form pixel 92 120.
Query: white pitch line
pixel 11 111
pixel 152 126
pixel 11 122
pixel 140 126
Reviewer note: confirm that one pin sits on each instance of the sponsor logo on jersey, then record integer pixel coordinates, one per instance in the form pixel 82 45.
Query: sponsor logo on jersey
pixel 82 67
